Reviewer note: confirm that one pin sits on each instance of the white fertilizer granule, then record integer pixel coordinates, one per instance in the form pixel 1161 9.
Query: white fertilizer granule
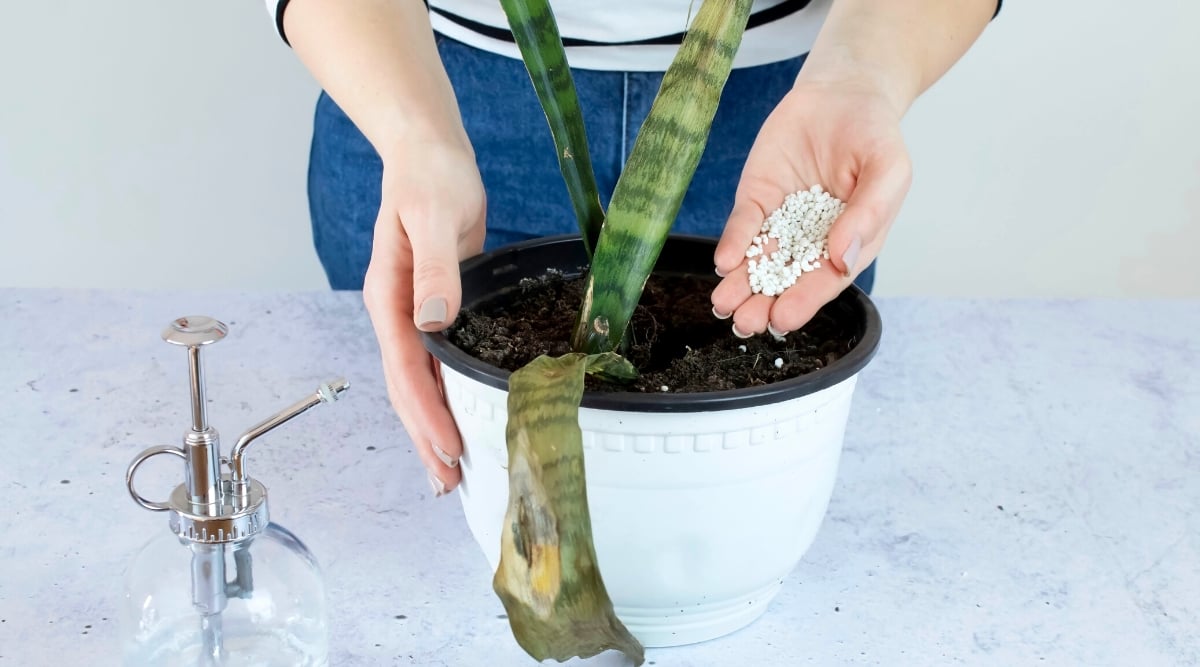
pixel 801 227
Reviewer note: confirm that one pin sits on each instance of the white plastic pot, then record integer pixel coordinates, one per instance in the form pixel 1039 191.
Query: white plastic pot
pixel 701 504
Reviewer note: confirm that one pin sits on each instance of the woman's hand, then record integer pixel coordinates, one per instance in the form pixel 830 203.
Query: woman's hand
pixel 431 216
pixel 839 127
pixel 844 136
pixel 380 63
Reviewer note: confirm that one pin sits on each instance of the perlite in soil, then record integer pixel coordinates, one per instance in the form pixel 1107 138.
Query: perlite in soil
pixel 801 228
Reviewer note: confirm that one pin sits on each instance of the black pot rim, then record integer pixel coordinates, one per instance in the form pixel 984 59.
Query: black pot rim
pixel 439 345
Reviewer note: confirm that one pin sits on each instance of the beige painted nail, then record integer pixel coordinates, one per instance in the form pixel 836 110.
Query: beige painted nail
pixel 444 457
pixel 850 257
pixel 433 311
pixel 439 487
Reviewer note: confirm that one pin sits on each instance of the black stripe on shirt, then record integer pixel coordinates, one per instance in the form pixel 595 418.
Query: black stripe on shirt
pixel 785 8
pixel 279 9
pixel 765 16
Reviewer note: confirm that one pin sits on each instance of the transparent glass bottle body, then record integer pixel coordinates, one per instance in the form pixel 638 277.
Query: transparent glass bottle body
pixel 280 621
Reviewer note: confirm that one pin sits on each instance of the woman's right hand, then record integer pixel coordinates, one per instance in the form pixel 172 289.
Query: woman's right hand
pixel 431 216
pixel 380 62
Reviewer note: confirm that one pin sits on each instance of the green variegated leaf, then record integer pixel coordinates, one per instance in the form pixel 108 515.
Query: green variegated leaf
pixel 548 578
pixel 536 33
pixel 656 177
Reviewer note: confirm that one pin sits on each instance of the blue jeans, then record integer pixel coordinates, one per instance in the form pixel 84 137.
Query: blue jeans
pixel 526 197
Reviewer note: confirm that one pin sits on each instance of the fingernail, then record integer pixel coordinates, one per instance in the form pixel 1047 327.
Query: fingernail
pixel 719 273
pixel 439 487
pixel 719 315
pixel 433 311
pixel 738 333
pixel 779 335
pixel 444 457
pixel 850 257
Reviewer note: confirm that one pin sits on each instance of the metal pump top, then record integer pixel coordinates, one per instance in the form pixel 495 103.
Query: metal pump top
pixel 212 506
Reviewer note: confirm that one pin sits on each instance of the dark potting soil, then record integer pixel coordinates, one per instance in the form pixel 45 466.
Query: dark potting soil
pixel 674 339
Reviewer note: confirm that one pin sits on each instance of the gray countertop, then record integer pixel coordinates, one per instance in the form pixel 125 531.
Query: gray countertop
pixel 1020 484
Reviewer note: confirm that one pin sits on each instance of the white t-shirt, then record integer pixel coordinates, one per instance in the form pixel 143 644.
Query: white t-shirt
pixel 609 21
pixel 632 20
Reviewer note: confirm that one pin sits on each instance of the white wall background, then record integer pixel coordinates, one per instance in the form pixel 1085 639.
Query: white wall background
pixel 164 144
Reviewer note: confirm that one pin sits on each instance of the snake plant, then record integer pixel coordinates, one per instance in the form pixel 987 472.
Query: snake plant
pixel 549 578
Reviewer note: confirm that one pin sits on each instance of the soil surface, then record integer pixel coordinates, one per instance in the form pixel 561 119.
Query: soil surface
pixel 674 339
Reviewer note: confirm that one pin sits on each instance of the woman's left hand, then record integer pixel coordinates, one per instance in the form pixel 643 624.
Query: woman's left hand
pixel 844 136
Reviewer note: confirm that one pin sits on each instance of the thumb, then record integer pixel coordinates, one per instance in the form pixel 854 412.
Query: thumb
pixel 437 288
pixel 881 188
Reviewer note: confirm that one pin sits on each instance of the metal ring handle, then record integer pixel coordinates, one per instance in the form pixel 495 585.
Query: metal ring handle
pixel 139 460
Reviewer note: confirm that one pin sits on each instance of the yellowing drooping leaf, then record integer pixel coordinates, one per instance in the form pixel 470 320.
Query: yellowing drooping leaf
pixel 548 578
